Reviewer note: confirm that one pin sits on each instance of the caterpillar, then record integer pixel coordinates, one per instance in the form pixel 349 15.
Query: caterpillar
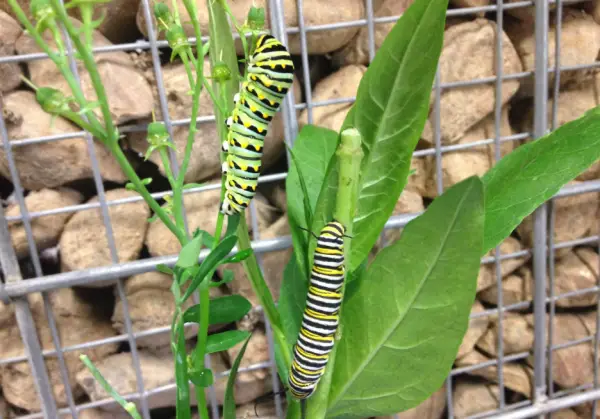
pixel 321 315
pixel 270 74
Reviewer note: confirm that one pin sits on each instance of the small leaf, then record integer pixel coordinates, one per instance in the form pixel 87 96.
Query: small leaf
pixel 292 299
pixel 305 200
pixel 210 264
pixel 130 186
pixel 227 275
pixel 239 256
pixel 164 269
pixel 222 310
pixel 229 401
pixel 189 254
pixel 203 378
pixel 218 342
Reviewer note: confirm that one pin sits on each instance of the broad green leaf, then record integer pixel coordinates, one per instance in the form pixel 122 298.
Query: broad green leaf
pixel 314 149
pixel 392 104
pixel 402 326
pixel 161 267
pixel 218 342
pixel 203 378
pixel 228 309
pixel 292 299
pixel 229 401
pixel 239 256
pixel 534 172
pixel 188 256
pixel 210 263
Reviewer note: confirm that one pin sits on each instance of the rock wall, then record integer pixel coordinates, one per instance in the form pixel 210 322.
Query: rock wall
pixel 58 174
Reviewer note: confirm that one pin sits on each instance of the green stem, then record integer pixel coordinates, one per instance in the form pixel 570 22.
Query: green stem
pixel 188 70
pixel 350 155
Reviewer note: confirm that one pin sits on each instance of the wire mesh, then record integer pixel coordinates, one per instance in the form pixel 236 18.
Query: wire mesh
pixel 545 398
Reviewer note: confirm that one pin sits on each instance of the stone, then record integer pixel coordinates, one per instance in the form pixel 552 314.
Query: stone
pixel 432 408
pixel 10 73
pixel 477 328
pixel 151 306
pixel 77 322
pixel 204 160
pixel 487 272
pixel 516 288
pixel 474 161
pixel 580 44
pixel 517 377
pixel 472 398
pixel 315 13
pixel 257 352
pixel 577 270
pixel 273 265
pixel 417 182
pixel 128 93
pixel 517 336
pixel 527 14
pixel 574 218
pixel 262 410
pixel 119 25
pixel 4 412
pixel 83 243
pixel 469 54
pixel 339 85
pixel 594 10
pixel 470 3
pixel 55 163
pixel 201 210
pixel 357 50
pixel 46 229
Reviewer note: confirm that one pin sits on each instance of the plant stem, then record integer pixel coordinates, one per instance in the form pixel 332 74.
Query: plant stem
pixel 350 155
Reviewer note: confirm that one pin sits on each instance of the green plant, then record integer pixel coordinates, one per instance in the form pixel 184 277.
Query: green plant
pixel 423 284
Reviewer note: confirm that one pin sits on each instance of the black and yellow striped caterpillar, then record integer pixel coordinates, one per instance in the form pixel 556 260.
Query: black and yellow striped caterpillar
pixel 270 75
pixel 321 315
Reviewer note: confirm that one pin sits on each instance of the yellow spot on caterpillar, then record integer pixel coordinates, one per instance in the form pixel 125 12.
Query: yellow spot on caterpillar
pixel 244 144
pixel 244 187
pixel 230 164
pixel 247 124
pixel 265 115
pixel 260 129
pixel 279 88
pixel 257 147
pixel 272 65
pixel 236 119
pixel 271 102
pixel 282 65
pixel 261 96
pixel 253 108
pixel 253 77
pixel 268 83
pixel 244 167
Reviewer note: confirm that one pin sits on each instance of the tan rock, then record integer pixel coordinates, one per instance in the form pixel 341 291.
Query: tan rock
pixel 84 244
pixel 315 13
pixel 517 377
pixel 527 14
pixel 201 211
pixel 566 414
pixel 487 272
pixel 49 164
pixel 468 54
pixel 204 160
pixel 580 44
pixel 472 398
pixel 257 352
pixel 47 229
pixel 576 271
pixel 432 408
pixel 417 182
pixel 77 322
pixel 574 218
pixel 339 85
pixel 262 409
pixel 595 10
pixel 3 408
pixel 273 265
pixel 129 94
pixel 516 288
pixel 517 336
pixel 470 3
pixel 357 51
pixel 477 328
pixel 10 73
pixel 119 24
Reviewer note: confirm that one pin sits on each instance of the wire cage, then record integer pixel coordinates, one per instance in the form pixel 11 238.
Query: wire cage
pixel 537 394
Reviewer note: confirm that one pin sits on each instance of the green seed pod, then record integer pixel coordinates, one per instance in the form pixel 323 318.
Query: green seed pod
pixel 43 14
pixel 256 18
pixel 157 133
pixel 176 37
pixel 221 73
pixel 52 100
pixel 162 12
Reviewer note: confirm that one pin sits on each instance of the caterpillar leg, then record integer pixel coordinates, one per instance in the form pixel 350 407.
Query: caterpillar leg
pixel 225 146
pixel 226 207
pixel 224 167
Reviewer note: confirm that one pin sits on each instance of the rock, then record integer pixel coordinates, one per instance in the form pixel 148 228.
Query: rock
pixel 341 84
pixel 580 44
pixel 201 211
pixel 10 73
pixel 470 3
pixel 97 413
pixel 3 408
pixel 432 408
pixel 357 51
pixel 471 398
pixel 594 10
pixel 315 13
pixel 574 365
pixel 516 288
pixel 574 218
pixel 487 272
pixel 410 202
pixel 119 25
pixel 576 271
pixel 204 160
pixel 517 336
pixel 46 229
pixel 417 182
pixel 259 409
pixel 83 243
pixel 566 414
pixel 468 54
pixel 50 164
pixel 477 328
pixel 77 322
pixel 273 264
pixel 151 306
pixel 129 94
pixel 257 352
pixel 517 377
pixel 475 161
pixel 527 14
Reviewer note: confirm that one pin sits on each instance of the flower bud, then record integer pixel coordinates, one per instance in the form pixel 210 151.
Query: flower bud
pixel 162 12
pixel 256 18
pixel 221 73
pixel 52 100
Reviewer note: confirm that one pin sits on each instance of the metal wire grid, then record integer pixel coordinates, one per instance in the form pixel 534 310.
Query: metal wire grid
pixel 545 398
